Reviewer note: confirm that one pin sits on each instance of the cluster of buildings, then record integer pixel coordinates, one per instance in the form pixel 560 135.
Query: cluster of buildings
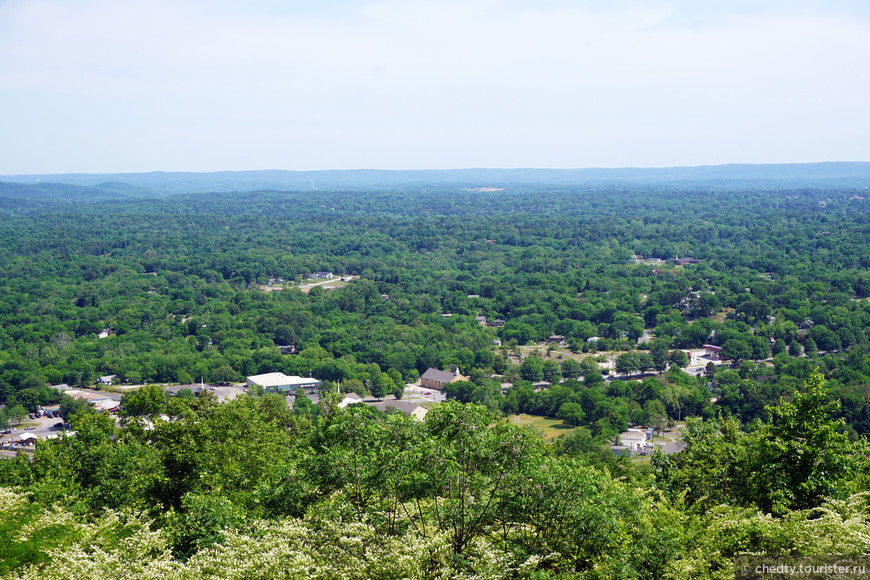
pixel 634 442
pixel 99 400
pixel 631 442
pixel 640 442
pixel 676 261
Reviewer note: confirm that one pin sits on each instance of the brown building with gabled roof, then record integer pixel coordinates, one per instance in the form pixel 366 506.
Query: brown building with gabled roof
pixel 435 379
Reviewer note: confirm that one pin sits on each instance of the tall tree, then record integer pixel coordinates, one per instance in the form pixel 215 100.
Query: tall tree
pixel 658 350
pixel 735 350
pixel 802 455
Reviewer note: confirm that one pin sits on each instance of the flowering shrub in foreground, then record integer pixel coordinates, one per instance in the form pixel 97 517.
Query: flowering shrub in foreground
pixel 53 544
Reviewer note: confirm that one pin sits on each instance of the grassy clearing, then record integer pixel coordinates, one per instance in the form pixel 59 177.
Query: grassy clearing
pixel 122 388
pixel 332 284
pixel 721 316
pixel 550 428
pixel 558 354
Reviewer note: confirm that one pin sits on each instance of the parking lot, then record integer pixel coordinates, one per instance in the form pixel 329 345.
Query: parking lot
pixel 42 427
pixel 418 394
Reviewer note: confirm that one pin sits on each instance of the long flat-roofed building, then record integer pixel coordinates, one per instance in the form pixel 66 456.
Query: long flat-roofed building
pixel 279 382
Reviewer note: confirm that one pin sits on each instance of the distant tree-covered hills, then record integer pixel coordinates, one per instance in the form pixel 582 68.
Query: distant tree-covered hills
pixel 124 185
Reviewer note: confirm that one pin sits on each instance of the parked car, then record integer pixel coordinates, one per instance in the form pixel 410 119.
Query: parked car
pixel 31 428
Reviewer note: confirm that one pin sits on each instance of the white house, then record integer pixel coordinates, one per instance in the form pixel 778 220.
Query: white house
pixel 350 399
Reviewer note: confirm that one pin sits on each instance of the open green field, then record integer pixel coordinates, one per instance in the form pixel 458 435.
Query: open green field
pixel 550 428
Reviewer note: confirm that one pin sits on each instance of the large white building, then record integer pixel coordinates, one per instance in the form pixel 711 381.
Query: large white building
pixel 279 382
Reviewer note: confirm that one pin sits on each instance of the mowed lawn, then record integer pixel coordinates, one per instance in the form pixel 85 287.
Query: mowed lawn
pixel 551 428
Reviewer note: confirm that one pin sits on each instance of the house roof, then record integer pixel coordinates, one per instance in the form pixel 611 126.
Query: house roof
pixel 632 436
pixel 87 395
pixel 438 376
pixel 396 404
pixel 349 399
pixel 106 405
pixel 408 408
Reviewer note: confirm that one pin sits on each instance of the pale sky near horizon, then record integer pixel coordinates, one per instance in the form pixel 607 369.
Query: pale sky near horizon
pixel 192 85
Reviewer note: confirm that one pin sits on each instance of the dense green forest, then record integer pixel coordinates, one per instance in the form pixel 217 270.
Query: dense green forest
pixel 774 459
pixel 173 279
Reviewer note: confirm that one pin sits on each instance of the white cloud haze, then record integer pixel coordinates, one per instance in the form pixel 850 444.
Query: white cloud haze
pixel 100 85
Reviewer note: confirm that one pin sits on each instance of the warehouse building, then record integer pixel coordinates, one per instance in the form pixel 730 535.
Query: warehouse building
pixel 281 383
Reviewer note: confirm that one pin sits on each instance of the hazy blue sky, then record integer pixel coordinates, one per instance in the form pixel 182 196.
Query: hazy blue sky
pixel 196 85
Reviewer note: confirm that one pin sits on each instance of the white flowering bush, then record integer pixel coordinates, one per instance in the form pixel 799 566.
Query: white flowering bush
pixel 837 527
pixel 112 546
pixel 123 546
pixel 711 541
pixel 645 533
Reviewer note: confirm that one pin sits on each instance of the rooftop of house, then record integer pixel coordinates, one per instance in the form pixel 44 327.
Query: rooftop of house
pixel 632 435
pixel 438 376
pixel 350 399
pixel 87 395
pixel 406 407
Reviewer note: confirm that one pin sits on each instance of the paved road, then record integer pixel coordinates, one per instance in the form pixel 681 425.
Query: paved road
pixel 11 454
